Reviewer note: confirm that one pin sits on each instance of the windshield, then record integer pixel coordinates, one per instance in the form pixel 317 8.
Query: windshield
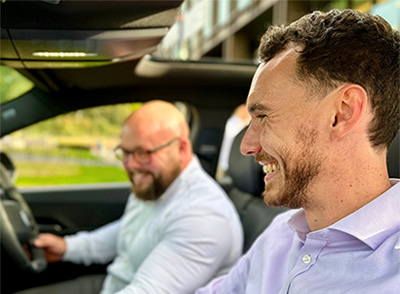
pixel 12 84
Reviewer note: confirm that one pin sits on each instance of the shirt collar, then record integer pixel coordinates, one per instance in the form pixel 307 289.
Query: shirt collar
pixel 190 168
pixel 376 221
pixel 299 224
pixel 371 224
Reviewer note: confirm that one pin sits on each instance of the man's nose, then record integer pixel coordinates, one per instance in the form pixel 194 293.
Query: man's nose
pixel 251 142
pixel 131 162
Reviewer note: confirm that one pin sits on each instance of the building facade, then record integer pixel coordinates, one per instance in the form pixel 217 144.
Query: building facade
pixel 231 30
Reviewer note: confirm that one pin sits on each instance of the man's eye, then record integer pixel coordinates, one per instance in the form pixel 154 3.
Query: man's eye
pixel 126 153
pixel 141 152
pixel 261 116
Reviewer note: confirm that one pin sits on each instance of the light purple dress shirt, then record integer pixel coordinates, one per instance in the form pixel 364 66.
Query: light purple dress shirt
pixel 358 254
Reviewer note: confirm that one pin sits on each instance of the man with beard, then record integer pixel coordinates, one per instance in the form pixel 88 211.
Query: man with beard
pixel 324 106
pixel 179 229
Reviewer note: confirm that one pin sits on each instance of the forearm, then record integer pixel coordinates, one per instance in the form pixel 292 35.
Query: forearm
pixel 98 246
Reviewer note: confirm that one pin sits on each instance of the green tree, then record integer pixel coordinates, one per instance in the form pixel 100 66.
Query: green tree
pixel 96 121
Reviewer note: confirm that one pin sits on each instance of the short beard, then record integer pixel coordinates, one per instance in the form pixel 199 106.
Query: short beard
pixel 299 172
pixel 158 187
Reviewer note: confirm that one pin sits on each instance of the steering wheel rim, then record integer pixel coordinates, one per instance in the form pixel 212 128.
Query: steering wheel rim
pixel 19 227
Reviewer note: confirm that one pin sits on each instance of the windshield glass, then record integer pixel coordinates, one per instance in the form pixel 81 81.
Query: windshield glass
pixel 12 84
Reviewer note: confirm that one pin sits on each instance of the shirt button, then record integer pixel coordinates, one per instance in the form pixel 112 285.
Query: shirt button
pixel 306 259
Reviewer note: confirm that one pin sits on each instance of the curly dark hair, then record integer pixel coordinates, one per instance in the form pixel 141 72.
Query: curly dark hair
pixel 351 47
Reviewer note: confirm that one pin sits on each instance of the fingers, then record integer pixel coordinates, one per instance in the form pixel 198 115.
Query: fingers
pixel 50 242
pixel 53 245
pixel 44 240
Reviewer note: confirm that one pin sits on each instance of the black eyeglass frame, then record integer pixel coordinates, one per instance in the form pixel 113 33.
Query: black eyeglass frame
pixel 125 153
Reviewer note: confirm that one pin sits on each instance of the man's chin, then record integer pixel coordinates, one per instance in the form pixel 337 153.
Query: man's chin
pixel 145 193
pixel 271 199
pixel 276 196
pixel 271 195
pixel 283 199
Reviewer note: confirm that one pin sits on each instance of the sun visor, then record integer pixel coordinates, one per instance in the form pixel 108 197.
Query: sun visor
pixel 61 49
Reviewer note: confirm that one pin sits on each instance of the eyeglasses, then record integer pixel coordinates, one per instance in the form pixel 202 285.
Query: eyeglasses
pixel 139 154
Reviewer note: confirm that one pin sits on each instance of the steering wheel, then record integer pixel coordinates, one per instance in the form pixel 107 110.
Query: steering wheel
pixel 18 227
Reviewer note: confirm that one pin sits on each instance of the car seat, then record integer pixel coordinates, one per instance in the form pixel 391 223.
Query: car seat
pixel 244 189
pixel 192 117
pixel 393 161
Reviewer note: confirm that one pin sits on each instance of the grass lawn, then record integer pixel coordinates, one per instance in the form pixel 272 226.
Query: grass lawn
pixel 45 174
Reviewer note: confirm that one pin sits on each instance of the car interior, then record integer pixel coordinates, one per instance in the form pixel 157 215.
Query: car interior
pixel 121 67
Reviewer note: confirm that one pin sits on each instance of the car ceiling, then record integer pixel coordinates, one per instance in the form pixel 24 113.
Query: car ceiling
pixel 101 31
pixel 121 35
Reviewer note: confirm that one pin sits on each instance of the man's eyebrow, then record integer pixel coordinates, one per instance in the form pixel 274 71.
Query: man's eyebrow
pixel 257 107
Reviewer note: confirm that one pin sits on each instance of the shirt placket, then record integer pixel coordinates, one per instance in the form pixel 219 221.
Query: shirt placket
pixel 306 258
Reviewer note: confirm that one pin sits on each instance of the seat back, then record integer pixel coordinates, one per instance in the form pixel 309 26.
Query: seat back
pixel 393 161
pixel 247 184
pixel 192 116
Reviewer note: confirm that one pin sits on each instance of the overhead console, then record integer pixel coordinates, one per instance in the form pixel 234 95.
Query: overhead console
pixel 70 34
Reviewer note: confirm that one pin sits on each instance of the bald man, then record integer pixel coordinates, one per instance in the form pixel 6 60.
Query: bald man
pixel 179 229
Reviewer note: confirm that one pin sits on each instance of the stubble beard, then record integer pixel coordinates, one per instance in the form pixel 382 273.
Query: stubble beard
pixel 299 172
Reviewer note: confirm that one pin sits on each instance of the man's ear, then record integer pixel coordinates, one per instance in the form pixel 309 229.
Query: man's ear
pixel 185 151
pixel 351 102
pixel 184 146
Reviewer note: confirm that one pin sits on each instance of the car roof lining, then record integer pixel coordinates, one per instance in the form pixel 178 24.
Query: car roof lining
pixel 70 34
pixel 88 15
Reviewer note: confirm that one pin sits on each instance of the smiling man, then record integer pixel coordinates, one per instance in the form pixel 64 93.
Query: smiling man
pixel 324 106
pixel 179 229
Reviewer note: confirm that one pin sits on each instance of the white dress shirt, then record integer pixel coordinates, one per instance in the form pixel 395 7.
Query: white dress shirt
pixel 175 244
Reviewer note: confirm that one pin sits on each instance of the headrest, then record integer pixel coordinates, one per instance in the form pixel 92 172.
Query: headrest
pixel 247 175
pixel 192 116
pixel 393 161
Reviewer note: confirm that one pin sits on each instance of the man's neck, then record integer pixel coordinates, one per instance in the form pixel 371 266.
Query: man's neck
pixel 344 193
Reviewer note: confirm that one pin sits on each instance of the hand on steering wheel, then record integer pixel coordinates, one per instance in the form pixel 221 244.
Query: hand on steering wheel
pixel 18 227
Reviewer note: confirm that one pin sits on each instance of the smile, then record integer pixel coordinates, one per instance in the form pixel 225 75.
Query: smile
pixel 270 168
pixel 138 177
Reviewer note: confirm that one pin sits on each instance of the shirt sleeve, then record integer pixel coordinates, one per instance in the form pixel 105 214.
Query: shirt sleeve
pixel 232 283
pixel 192 249
pixel 98 246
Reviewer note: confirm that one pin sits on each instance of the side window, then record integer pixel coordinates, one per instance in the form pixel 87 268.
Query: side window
pixel 75 148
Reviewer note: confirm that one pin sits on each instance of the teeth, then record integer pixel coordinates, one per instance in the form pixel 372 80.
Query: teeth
pixel 139 175
pixel 269 168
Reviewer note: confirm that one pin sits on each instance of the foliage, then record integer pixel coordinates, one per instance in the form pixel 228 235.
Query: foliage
pixel 100 121
pixel 12 84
